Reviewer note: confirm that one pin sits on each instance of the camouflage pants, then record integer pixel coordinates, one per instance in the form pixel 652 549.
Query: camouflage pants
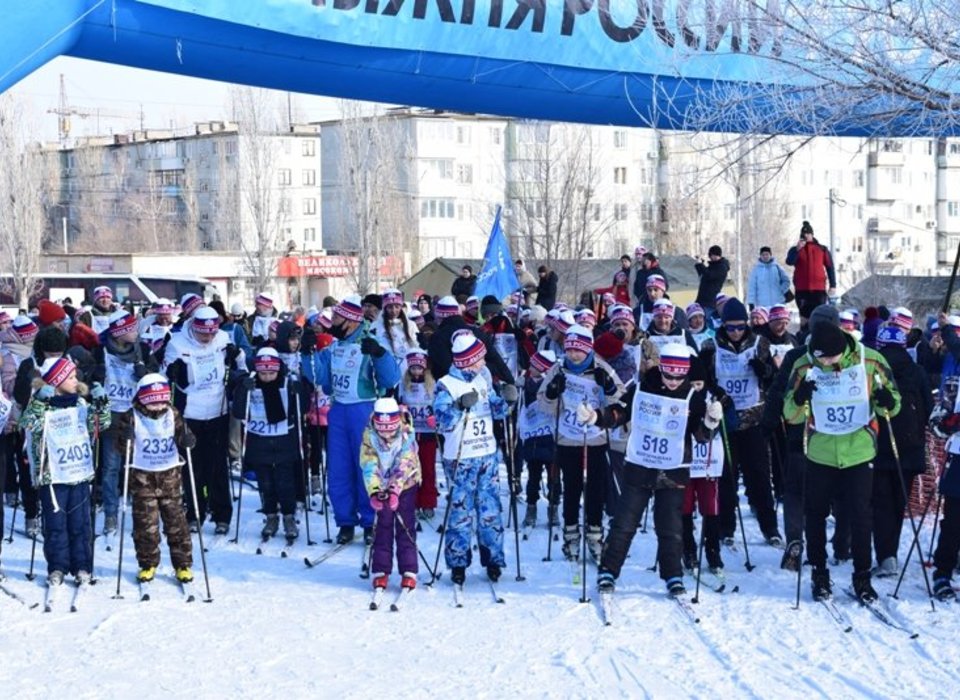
pixel 156 495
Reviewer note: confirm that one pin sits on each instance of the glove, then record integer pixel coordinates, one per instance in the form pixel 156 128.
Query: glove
pixel 369 346
pixel 393 502
pixel 432 422
pixel 804 392
pixel 177 373
pixel 231 354
pixel 98 393
pixel 468 400
pixel 605 382
pixel 376 502
pixel 758 366
pixel 248 382
pixel 508 392
pixel 139 370
pixel 883 397
pixel 714 414
pixel 556 386
pixel 586 415
pixel 44 393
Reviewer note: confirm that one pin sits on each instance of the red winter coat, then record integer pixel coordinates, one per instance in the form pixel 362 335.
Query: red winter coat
pixel 812 267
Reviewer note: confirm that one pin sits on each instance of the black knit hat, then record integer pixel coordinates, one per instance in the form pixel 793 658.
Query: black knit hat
pixel 827 340
pixel 50 340
pixel 374 299
pixel 715 250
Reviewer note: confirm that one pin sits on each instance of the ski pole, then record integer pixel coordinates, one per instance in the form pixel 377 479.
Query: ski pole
pixel 243 458
pixel 906 498
pixel 305 471
pixel 33 548
pixel 554 478
pixel 13 520
pixel 803 497
pixel 193 496
pixel 736 493
pixel 915 543
pixel 703 530
pixel 123 518
pixel 513 493
pixel 583 545
pixel 414 543
pixel 446 511
pixel 936 522
pixel 93 505
pixel 323 493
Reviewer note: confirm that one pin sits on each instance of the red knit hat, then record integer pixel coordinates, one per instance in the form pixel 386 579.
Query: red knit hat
pixel 56 370
pixel 49 313
pixel 578 338
pixel 121 323
pixel 417 358
pixel 267 360
pixel 608 345
pixel 543 360
pixel 152 389
pixel 468 350
pixel 25 328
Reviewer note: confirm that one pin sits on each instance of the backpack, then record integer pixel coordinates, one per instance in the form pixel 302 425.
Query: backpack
pixel 910 424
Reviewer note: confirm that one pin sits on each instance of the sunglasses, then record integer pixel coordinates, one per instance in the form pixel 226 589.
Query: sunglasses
pixel 735 327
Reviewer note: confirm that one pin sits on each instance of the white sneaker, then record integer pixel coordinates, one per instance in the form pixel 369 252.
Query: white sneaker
pixel 888 568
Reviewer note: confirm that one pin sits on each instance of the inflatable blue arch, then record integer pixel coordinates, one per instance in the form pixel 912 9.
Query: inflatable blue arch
pixel 625 62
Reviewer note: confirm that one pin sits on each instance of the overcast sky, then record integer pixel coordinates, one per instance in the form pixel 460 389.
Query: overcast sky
pixel 119 93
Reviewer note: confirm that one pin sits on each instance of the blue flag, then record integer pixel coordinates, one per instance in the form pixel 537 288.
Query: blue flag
pixel 497 276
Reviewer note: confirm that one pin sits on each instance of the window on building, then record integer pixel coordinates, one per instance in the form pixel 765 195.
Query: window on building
pixel 620 176
pixel 620 138
pixel 858 178
pixel 309 206
pixel 309 177
pixel 308 147
pixel 597 212
pixel 533 133
pixel 620 212
pixel 806 211
pixel 441 168
pixel 895 175
pixel 729 211
pixel 465 174
pixel 495 135
pixel 953 209
pixel 646 213
pixel 310 235
pixel 437 209
pixel 463 134
pixel 285 176
pixel 859 212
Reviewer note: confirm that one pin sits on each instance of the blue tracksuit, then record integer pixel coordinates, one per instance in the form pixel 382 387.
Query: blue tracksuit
pixel 353 381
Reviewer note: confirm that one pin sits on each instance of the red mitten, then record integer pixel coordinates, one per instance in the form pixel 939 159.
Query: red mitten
pixel 394 502
pixel 432 422
pixel 376 503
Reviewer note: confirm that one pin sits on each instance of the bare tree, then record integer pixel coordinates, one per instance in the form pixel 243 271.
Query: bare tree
pixel 263 203
pixel 555 205
pixel 375 204
pixel 23 183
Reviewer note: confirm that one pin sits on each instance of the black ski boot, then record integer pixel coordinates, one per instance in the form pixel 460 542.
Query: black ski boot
pixel 606 583
pixel 458 575
pixel 863 588
pixel 368 536
pixel 822 589
pixel 493 572
pixel 345 536
pixel 942 587
pixel 675 587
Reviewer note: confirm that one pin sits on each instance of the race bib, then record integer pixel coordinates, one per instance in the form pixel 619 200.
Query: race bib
pixel 579 390
pixel 261 326
pixel 534 423
pixel 69 456
pixel 658 428
pixel 257 424
pixel 841 404
pixel 121 385
pixel 472 436
pixel 707 458
pixel 506 345
pixel 6 406
pixel 154 446
pixel 737 378
pixel 345 363
pixel 420 404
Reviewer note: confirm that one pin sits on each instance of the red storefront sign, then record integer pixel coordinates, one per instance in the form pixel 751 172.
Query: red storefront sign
pixel 330 266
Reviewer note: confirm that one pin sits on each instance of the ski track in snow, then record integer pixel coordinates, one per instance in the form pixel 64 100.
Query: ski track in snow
pixel 275 626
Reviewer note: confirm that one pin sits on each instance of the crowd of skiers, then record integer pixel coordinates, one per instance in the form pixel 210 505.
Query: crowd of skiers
pixel 614 409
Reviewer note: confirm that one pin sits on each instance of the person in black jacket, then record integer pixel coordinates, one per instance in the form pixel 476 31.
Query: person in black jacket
pixel 440 350
pixel 712 274
pixel 647 264
pixel 464 285
pixel 909 431
pixel 547 287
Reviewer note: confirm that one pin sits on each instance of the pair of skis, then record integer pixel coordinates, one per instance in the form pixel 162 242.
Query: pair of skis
pixel 458 595
pixel 53 594
pixel 607 607
pixel 398 602
pixel 186 590
pixel 263 547
pixel 876 608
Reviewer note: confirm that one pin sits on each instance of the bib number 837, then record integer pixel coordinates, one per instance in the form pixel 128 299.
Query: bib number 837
pixel 840 414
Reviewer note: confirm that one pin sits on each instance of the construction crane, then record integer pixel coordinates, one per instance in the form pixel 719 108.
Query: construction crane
pixel 64 111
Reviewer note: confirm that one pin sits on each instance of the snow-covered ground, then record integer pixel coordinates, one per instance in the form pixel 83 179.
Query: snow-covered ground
pixel 278 629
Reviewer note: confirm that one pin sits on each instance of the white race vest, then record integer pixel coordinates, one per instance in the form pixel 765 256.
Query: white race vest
pixel 420 404
pixel 579 390
pixel 645 319
pixel 6 405
pixel 261 326
pixel 476 437
pixel 121 385
pixel 345 363
pixel 736 377
pixel 780 350
pixel 258 423
pixel 154 443
pixel 100 323
pixel 67 443
pixel 700 451
pixel 658 341
pixel 658 430
pixel 841 403
pixel 533 423
pixel 506 345
pixel 207 382
pixel 291 361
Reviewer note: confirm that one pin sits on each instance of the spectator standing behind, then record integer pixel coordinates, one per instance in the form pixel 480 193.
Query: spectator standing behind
pixel 813 276
pixel 528 283
pixel 464 285
pixel 769 283
pixel 547 288
pixel 647 264
pixel 712 274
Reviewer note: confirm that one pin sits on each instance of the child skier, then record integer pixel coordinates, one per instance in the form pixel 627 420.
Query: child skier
pixel 465 407
pixel 417 391
pixel 151 431
pixel 270 401
pixel 391 473
pixel 535 430
pixel 61 424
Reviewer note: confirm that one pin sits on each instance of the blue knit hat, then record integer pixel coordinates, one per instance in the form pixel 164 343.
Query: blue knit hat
pixel 891 335
pixel 734 310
